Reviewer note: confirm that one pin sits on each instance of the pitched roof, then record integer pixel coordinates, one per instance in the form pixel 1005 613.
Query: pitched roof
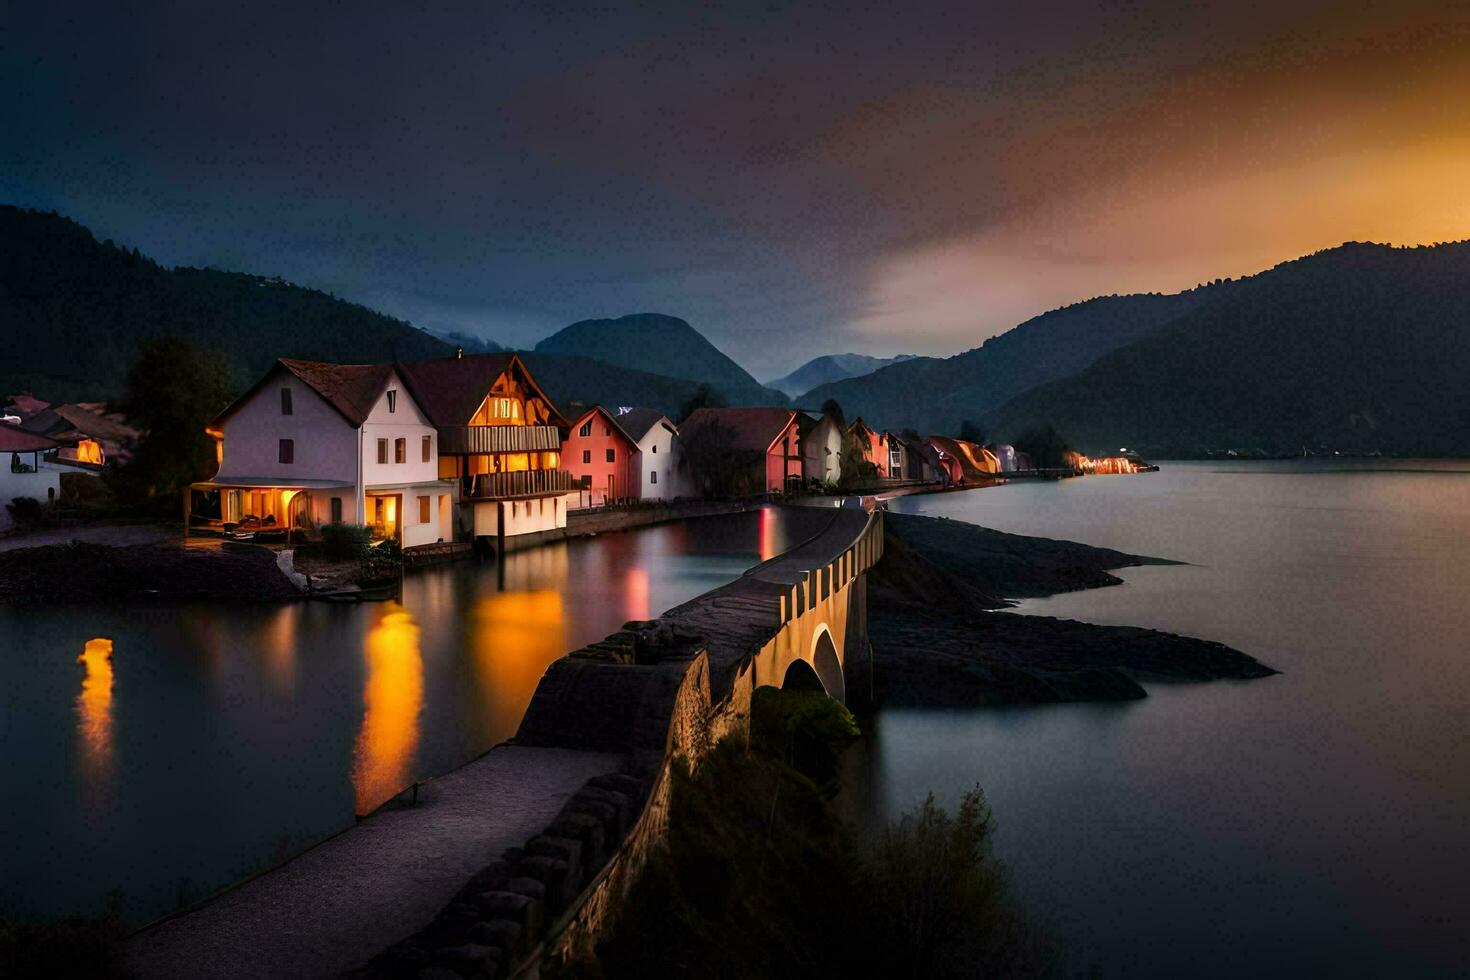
pixel 352 389
pixel 753 428
pixel 637 421
pixel 614 420
pixel 14 439
pixel 450 389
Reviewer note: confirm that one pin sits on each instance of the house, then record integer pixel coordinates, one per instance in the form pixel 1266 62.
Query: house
pixel 873 445
pixel 24 471
pixel 499 442
pixel 921 461
pixel 739 451
pixel 654 434
pixel 1006 455
pixel 602 458
pixel 87 433
pixel 313 443
pixel 965 461
pixel 897 456
pixel 821 448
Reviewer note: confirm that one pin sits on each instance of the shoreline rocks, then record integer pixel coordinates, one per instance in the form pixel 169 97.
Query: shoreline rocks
pixel 938 640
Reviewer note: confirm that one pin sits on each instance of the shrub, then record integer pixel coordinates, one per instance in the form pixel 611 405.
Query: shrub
pixel 345 541
pixel 807 730
pixel 26 511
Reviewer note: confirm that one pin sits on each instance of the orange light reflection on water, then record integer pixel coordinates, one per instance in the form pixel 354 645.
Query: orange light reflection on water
pixel 770 534
pixel 635 593
pixel 94 711
pixel 516 636
pixel 393 696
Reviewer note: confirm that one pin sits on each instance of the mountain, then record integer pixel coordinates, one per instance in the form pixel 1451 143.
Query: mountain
pixel 937 394
pixel 1360 348
pixel 74 314
pixel 832 367
pixel 471 343
pixel 663 345
pixel 570 380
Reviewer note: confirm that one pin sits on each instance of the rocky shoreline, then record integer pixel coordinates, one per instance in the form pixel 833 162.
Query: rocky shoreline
pixel 938 640
pixel 81 572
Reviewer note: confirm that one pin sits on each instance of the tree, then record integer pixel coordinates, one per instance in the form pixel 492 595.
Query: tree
pixel 715 466
pixel 173 390
pixel 971 432
pixel 704 397
pixel 1045 445
pixel 830 407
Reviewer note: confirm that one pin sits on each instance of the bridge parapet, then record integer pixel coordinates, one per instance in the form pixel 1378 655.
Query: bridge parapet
pixel 661 691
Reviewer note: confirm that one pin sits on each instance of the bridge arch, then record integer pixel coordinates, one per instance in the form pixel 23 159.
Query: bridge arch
pixel 800 676
pixel 827 664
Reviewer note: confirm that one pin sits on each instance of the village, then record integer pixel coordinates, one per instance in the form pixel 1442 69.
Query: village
pixel 470 449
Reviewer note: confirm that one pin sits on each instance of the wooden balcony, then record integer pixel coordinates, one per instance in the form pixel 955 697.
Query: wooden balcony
pixel 516 484
pixel 475 439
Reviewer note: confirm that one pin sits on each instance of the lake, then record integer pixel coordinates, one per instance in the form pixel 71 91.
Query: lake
pixel 165 752
pixel 1314 822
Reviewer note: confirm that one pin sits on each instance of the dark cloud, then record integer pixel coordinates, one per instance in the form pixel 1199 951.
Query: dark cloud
pixel 792 178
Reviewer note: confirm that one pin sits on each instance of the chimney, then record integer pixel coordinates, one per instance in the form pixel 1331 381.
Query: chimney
pixel 459 353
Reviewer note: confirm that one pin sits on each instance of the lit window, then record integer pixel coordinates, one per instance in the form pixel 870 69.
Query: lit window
pixel 423 510
pixel 285 401
pixel 382 450
pixel 392 399
pixel 585 430
pixel 336 510
pixel 288 451
pixel 400 450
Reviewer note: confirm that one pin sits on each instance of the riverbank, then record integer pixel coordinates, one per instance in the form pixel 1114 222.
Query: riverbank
pixel 211 571
pixel 939 641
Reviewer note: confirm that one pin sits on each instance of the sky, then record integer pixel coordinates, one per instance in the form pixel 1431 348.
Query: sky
pixel 794 179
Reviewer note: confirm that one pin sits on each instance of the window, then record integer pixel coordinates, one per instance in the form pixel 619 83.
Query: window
pixel 612 455
pixel 382 450
pixel 392 399
pixel 336 510
pixel 585 430
pixel 288 451
pixel 423 510
pixel 586 455
pixel 428 448
pixel 653 476
pixel 655 449
pixel 587 481
pixel 606 432
pixel 285 401
pixel 400 450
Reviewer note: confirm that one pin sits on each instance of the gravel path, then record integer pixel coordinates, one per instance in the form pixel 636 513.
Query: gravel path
pixel 339 904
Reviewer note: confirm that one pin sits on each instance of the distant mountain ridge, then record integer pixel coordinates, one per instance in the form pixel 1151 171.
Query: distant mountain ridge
pixel 829 368
pixel 661 344
pixel 938 394
pixel 75 312
pixel 1360 348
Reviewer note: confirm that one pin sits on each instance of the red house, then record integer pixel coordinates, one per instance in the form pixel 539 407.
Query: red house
pixel 602 457
pixel 740 451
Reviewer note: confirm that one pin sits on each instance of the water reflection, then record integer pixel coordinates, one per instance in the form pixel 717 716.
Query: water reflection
pixel 772 539
pixel 94 715
pixel 279 649
pixel 393 696
pixel 514 635
pixel 635 593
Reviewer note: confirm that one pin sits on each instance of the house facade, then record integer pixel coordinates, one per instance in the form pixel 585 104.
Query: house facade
pixel 499 443
pixel 739 451
pixel 873 443
pixel 314 443
pixel 821 449
pixel 654 434
pixel 602 457
pixel 24 470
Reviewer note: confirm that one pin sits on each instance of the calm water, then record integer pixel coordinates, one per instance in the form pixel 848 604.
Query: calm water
pixel 1314 822
pixel 216 741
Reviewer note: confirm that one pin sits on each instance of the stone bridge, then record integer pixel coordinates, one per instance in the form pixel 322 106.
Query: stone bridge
pixel 657 691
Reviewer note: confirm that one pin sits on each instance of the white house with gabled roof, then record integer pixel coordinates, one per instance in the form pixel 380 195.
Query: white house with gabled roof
pixel 313 443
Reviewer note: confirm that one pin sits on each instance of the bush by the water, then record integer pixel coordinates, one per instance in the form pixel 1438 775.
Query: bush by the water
pixel 758 877
pixel 26 511
pixel 345 541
